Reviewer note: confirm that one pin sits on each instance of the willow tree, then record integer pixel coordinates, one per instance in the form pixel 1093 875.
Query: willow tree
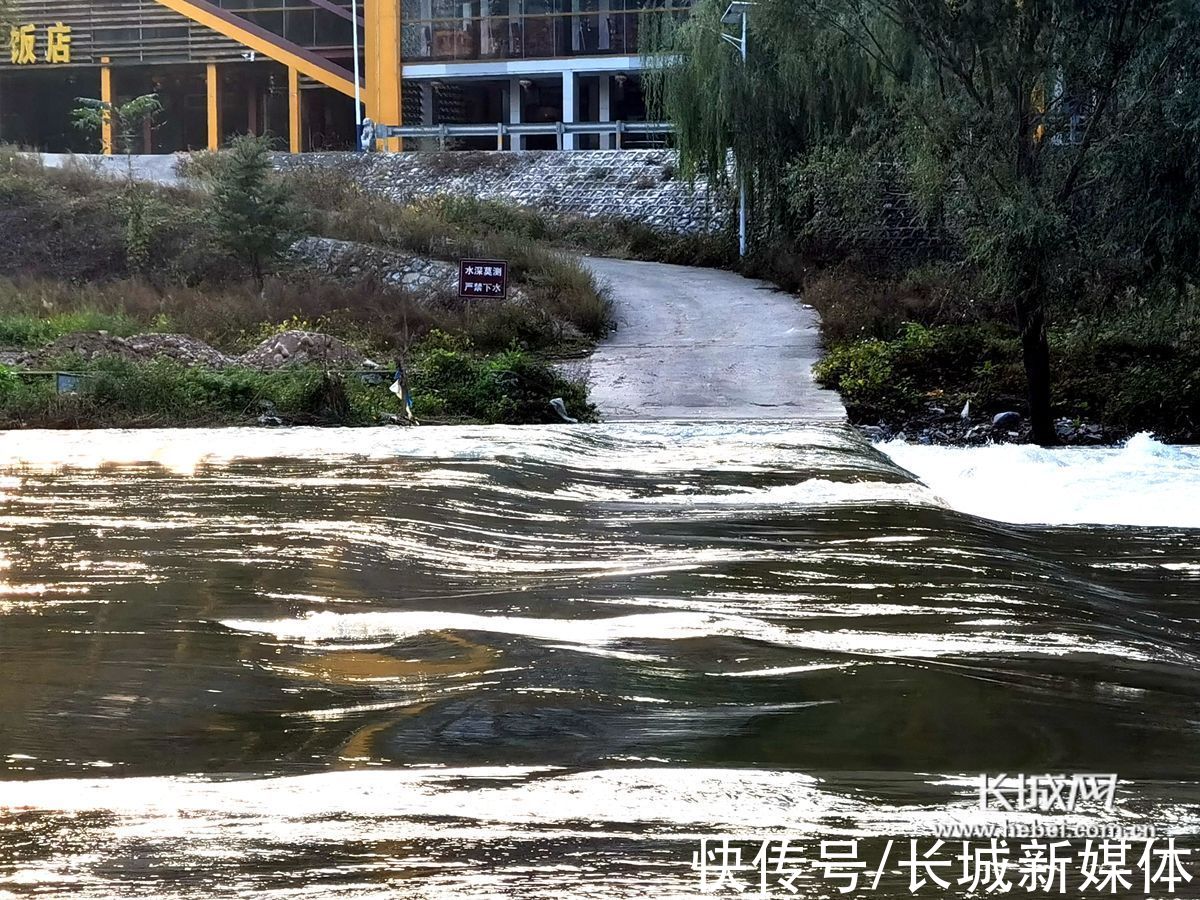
pixel 789 95
pixel 1063 136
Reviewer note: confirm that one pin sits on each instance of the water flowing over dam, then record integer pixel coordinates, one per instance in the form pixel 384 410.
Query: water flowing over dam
pixel 518 662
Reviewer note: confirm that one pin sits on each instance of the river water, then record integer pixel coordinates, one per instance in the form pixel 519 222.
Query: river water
pixel 547 663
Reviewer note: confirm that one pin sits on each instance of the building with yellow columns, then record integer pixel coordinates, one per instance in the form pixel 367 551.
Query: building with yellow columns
pixel 287 68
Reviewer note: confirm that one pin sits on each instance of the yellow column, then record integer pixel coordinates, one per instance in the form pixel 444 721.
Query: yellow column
pixel 295 140
pixel 214 107
pixel 106 95
pixel 383 65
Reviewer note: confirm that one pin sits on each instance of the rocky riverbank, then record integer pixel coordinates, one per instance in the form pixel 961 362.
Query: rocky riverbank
pixel 937 426
pixel 965 384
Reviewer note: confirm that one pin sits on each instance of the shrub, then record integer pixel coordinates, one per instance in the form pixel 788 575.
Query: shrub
pixel 893 378
pixel 251 207
pixel 513 387
pixel 9 382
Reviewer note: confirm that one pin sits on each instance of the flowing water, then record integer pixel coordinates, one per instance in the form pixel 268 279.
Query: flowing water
pixel 490 662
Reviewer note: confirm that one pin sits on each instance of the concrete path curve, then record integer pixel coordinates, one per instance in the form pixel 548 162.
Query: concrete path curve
pixel 705 344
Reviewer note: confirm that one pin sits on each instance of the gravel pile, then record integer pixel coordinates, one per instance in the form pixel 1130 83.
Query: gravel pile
pixel 92 345
pixel 297 348
pixel 179 347
pixel 288 348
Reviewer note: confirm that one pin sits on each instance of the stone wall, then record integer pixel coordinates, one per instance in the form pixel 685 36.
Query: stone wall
pixel 349 260
pixel 633 184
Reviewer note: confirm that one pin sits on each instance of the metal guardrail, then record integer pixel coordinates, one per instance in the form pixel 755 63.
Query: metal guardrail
pixel 504 129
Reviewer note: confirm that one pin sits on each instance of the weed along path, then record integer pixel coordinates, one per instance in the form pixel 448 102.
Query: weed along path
pixel 705 344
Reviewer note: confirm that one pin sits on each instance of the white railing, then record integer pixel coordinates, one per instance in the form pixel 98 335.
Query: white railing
pixel 500 130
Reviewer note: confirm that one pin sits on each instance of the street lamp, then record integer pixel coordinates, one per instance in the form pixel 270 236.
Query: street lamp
pixel 357 74
pixel 738 13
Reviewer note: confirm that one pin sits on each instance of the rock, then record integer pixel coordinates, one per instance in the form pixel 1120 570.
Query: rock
pixel 350 260
pixel 179 347
pixel 295 348
pixel 140 348
pixel 976 432
pixel 270 421
pixel 1065 428
pixel 936 411
pixel 874 433
pixel 634 185
pixel 1006 420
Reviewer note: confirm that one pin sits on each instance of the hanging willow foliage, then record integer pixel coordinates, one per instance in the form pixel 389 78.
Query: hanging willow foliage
pixel 1062 135
pixel 798 87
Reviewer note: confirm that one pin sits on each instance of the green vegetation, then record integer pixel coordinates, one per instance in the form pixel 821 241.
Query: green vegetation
pixel 1118 382
pixel 126 119
pixel 252 212
pixel 69 264
pixel 447 384
pixel 1046 152
pixel 508 387
pixel 537 245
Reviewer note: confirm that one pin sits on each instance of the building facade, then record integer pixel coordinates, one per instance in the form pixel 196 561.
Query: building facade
pixel 287 68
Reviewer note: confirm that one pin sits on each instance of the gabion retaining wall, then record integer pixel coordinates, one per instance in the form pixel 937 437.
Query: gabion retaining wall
pixel 631 184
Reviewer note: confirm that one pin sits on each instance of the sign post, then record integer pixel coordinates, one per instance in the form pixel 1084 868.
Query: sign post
pixel 483 278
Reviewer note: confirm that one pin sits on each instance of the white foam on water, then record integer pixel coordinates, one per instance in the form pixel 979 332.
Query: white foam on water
pixel 1142 483
pixel 627 447
pixel 492 802
pixel 321 627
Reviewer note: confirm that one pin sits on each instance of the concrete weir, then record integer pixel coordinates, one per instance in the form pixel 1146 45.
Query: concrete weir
pixel 705 344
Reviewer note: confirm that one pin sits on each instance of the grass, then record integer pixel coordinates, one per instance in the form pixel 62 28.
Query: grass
pixel 903 339
pixel 537 244
pixel 447 228
pixel 447 384
pixel 62 246
pixel 29 331
pixel 379 320
pixel 64 269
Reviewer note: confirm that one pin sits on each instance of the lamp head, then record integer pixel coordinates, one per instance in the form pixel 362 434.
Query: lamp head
pixel 736 10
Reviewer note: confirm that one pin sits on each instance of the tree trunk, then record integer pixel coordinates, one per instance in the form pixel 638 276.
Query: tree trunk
pixel 1030 259
pixel 1035 353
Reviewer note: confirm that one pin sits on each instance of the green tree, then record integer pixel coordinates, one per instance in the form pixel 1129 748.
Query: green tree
pixel 143 214
pixel 127 119
pixel 251 208
pixel 1062 135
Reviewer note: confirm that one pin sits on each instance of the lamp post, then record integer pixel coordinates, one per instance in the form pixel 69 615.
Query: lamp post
pixel 738 13
pixel 357 73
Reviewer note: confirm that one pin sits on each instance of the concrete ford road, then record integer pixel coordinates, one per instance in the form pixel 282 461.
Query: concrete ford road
pixel 705 344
